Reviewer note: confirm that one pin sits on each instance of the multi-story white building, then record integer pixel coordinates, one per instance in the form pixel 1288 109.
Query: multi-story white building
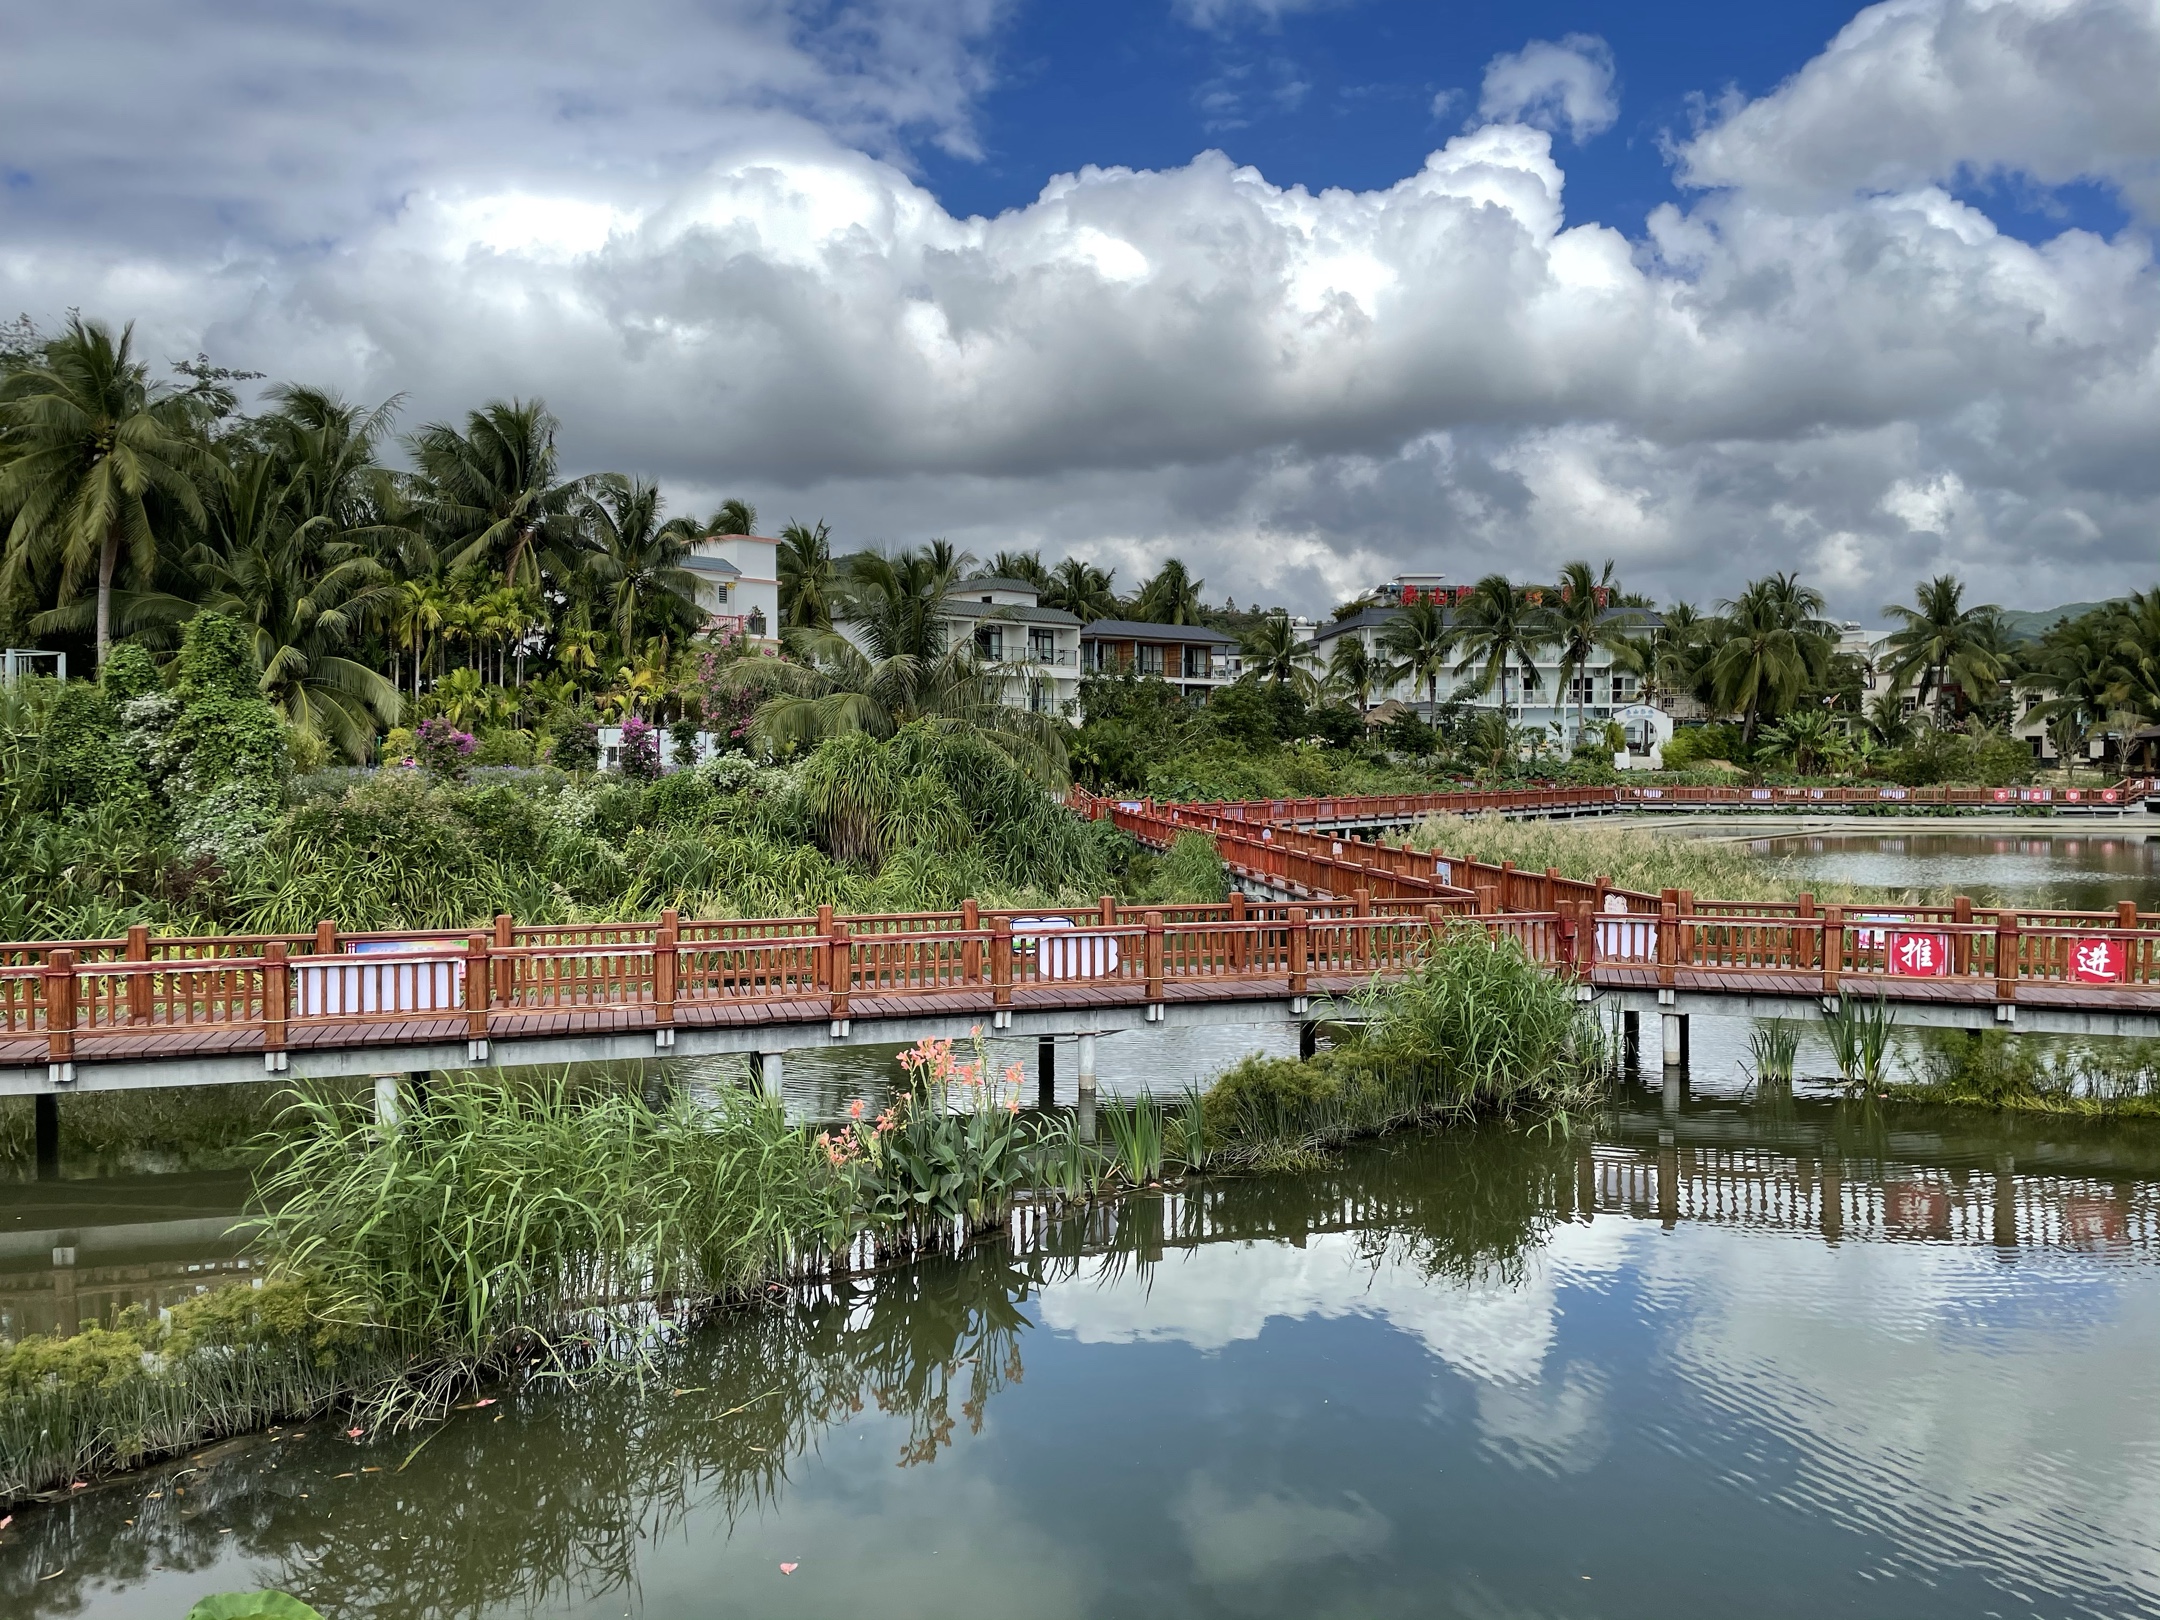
pixel 738 584
pixel 1037 648
pixel 1600 688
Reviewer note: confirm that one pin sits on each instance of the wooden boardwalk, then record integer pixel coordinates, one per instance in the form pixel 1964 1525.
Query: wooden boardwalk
pixel 1335 914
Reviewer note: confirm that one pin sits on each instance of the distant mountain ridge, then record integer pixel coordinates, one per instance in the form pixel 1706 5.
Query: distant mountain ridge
pixel 2032 624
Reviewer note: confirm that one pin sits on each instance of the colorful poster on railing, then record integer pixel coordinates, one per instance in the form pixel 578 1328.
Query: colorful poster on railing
pixel 2097 961
pixel 1918 956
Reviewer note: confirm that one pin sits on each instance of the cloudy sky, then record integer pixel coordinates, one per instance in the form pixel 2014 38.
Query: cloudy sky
pixel 1304 291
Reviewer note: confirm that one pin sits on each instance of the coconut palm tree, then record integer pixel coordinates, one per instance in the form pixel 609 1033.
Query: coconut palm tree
pixel 1353 671
pixel 1943 641
pixel 636 559
pixel 1274 652
pixel 1082 589
pixel 1170 596
pixel 1585 626
pixel 1415 645
pixel 494 493
pixel 806 576
pixel 2079 677
pixel 733 517
pixel 1497 627
pixel 1808 739
pixel 90 441
pixel 1773 644
pixel 1020 565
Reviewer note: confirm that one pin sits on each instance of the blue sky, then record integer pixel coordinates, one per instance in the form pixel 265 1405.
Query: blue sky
pixel 1706 290
pixel 1341 93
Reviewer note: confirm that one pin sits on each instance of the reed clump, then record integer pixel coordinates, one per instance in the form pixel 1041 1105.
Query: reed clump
pixel 1476 1030
pixel 2102 1078
pixel 1633 857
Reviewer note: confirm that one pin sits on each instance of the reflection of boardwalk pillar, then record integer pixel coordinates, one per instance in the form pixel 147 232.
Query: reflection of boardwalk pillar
pixel 1046 1072
pixel 48 1136
pixel 2005 1210
pixel 1833 1200
pixel 1668 1186
pixel 65 1308
pixel 1585 1184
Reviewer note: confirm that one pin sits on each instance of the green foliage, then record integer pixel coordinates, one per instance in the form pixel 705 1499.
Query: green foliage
pixel 84 762
pixel 1859 1036
pixel 129 672
pixel 252 1606
pixel 1990 1069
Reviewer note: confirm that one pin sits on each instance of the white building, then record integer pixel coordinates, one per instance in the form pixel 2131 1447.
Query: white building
pixel 1036 648
pixel 1191 657
pixel 738 584
pixel 1600 688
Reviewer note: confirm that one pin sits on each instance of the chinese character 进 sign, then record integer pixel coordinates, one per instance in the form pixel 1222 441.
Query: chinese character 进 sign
pixel 1919 956
pixel 2097 961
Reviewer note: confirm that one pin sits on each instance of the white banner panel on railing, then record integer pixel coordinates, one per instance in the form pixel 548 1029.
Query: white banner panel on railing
pixel 1065 952
pixel 1627 939
pixel 341 986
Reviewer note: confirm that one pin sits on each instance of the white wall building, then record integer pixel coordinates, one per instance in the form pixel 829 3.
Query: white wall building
pixel 738 584
pixel 1038 648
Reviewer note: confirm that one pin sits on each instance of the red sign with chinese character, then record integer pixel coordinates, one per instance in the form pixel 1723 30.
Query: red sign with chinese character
pixel 1918 956
pixel 2097 961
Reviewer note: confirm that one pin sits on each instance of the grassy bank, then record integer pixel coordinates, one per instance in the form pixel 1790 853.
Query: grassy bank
pixel 527 1229
pixel 1634 858
pixel 2085 1079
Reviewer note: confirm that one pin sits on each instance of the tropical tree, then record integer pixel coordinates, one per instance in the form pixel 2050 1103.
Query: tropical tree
pixel 2079 679
pixel 1415 646
pixel 494 493
pixel 1944 642
pixel 1020 565
pixel 1584 626
pixel 733 517
pixel 89 442
pixel 1082 589
pixel 1274 651
pixel 635 558
pixel 806 576
pixel 1772 644
pixel 1170 596
pixel 1807 739
pixel 1353 671
pixel 1498 627
pixel 2134 629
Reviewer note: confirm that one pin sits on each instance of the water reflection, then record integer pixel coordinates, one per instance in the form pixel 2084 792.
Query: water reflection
pixel 2086 871
pixel 1781 1357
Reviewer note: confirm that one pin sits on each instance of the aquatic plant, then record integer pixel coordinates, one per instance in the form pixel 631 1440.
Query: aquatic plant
pixel 1773 1045
pixel 1137 1132
pixel 1859 1035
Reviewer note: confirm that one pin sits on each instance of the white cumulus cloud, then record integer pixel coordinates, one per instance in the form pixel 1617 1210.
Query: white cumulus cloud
pixel 1554 84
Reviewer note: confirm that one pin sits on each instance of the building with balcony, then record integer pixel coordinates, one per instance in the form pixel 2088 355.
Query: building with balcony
pixel 1036 649
pixel 1601 689
pixel 1191 657
pixel 738 584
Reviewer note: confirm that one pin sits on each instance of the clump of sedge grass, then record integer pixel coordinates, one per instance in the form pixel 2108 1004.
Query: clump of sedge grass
pixel 1773 1046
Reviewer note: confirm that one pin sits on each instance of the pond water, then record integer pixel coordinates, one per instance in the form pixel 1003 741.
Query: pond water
pixel 1785 1357
pixel 2080 871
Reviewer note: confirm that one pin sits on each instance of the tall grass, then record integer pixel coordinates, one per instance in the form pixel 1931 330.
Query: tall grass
pixel 513 1216
pixel 1859 1035
pixel 1773 1046
pixel 1634 858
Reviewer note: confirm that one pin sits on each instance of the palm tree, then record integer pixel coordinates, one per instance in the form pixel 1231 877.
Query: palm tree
pixel 89 441
pixel 1081 589
pixel 2080 676
pixel 1020 565
pixel 306 595
pixel 1942 641
pixel 1274 652
pixel 733 517
pixel 1353 671
pixel 1809 739
pixel 494 493
pixel 2133 628
pixel 1418 641
pixel 636 559
pixel 1171 596
pixel 1585 626
pixel 806 577
pixel 1497 626
pixel 1774 644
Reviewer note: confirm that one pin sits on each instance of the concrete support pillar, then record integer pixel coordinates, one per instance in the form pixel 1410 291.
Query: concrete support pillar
pixel 1087 1067
pixel 1308 1038
pixel 418 1081
pixel 769 1074
pixel 386 1103
pixel 1046 1072
pixel 1631 1039
pixel 1675 1039
pixel 48 1137
pixel 655 1087
pixel 1084 1116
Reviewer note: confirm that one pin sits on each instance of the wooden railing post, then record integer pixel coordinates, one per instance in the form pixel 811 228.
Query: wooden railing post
pixel 1109 911
pixel 1299 947
pixel 840 967
pixel 2126 914
pixel 1668 939
pixel 1833 949
pixel 1805 937
pixel 1240 941
pixel 60 1006
pixel 1687 928
pixel 666 962
pixel 1552 889
pixel 277 995
pixel 326 934
pixel 1361 930
pixel 2006 955
pixel 1960 942
pixel 138 984
pixel 506 965
pixel 971 947
pixel 822 952
pixel 1154 964
pixel 479 987
pixel 1001 962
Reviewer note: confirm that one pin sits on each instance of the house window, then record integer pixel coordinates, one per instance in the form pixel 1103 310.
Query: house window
pixel 1196 663
pixel 1623 688
pixel 1150 659
pixel 1042 646
pixel 990 642
pixel 757 621
pixel 1583 689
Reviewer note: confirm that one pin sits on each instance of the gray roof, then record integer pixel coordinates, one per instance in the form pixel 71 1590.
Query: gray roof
pixel 997 582
pixel 1136 630
pixel 709 565
pixel 962 607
